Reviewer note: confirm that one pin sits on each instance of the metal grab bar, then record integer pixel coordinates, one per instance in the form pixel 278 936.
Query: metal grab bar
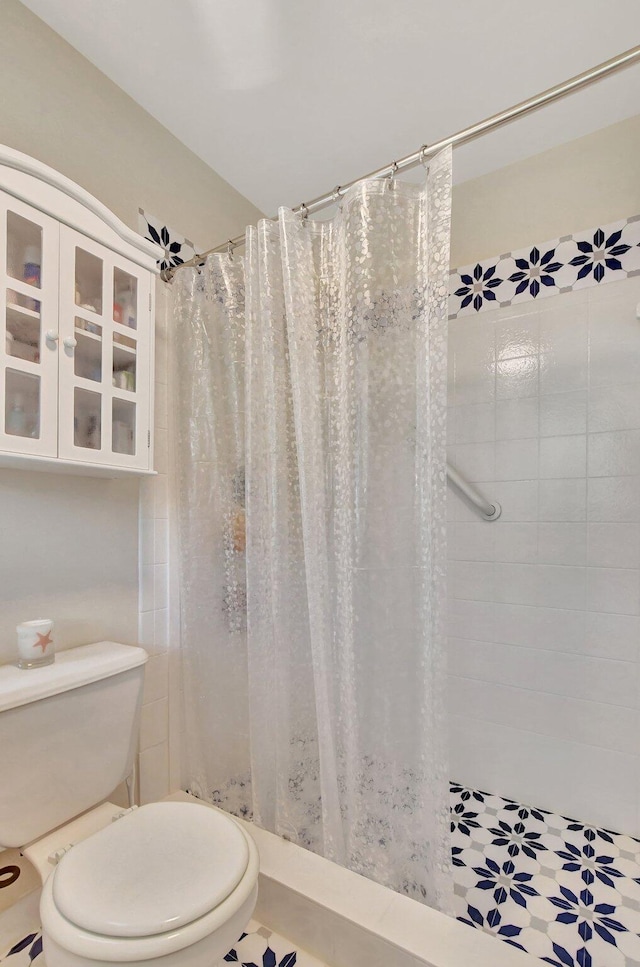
pixel 490 511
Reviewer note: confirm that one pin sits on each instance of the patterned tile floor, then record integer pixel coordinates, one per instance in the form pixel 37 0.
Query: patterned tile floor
pixel 563 891
pixel 258 947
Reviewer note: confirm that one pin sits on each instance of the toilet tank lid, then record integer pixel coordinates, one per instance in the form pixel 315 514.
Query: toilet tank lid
pixel 71 669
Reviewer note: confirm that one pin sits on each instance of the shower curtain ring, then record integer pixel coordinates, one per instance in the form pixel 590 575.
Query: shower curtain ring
pixel 336 194
pixel 230 249
pixel 393 173
pixel 423 153
pixel 304 212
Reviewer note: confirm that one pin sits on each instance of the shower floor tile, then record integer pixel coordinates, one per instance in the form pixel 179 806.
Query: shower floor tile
pixel 564 891
pixel 258 947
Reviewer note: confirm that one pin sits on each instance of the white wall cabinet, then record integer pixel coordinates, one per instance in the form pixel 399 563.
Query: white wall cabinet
pixel 77 330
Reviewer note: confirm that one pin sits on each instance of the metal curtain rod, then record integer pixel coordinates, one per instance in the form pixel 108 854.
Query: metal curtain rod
pixel 608 67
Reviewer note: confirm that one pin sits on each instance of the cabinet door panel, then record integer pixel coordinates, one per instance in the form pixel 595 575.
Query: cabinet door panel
pixel 28 317
pixel 104 355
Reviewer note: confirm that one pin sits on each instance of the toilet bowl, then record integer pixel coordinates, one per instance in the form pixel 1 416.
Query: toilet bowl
pixel 170 884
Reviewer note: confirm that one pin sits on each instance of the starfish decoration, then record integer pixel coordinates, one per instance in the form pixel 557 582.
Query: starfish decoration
pixel 43 641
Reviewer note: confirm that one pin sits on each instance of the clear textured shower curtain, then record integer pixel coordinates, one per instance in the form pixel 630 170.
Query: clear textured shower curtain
pixel 315 690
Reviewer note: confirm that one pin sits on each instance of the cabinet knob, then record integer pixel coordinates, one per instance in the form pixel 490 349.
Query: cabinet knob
pixel 70 342
pixel 52 335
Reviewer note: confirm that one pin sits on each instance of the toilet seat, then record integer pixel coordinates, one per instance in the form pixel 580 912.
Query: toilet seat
pixel 160 867
pixel 154 882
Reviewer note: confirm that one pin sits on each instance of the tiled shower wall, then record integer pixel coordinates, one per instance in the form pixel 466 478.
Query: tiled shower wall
pixel 545 602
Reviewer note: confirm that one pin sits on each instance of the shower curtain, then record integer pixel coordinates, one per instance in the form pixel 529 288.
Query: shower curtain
pixel 312 474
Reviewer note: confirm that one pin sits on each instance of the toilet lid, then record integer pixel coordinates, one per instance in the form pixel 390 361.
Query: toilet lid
pixel 156 869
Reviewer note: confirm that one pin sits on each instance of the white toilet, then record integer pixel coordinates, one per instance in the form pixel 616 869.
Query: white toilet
pixel 171 884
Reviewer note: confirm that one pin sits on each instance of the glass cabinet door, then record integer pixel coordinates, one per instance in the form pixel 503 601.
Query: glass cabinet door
pixel 104 355
pixel 28 329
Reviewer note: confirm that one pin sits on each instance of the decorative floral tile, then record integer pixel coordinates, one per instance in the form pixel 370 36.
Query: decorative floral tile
pixel 564 891
pixel 258 947
pixel 25 951
pixel 602 254
pixel 177 248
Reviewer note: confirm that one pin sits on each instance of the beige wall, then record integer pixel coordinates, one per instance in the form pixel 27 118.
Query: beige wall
pixel 68 551
pixel 593 180
pixel 69 545
pixel 59 108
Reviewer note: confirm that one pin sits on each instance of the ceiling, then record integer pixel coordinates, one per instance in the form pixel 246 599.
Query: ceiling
pixel 287 98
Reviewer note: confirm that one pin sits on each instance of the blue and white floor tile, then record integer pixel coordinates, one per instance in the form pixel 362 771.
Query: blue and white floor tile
pixel 258 947
pixel 563 891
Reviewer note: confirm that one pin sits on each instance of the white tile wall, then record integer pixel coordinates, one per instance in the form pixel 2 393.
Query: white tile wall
pixel 153 618
pixel 545 602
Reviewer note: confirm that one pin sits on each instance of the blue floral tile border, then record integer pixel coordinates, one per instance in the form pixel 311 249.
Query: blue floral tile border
pixel 588 258
pixel 177 248
pixel 603 254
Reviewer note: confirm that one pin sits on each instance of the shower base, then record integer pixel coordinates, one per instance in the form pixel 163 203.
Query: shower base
pixel 566 892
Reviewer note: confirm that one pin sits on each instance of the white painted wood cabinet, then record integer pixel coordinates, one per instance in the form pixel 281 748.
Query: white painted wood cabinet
pixel 77 330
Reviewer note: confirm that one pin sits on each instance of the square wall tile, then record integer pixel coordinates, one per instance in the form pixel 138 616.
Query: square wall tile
pixel 161 451
pixel 517 337
pixel 516 459
pixel 161 587
pixel 516 419
pixel 153 765
pixel 614 454
pixel 614 362
pixel 562 543
pixel 613 499
pixel 146 551
pixel 516 543
pixel 154 723
pixel 161 497
pixel 161 629
pixel 563 413
pixel 517 378
pixel 475 423
pixel 612 636
pixel 563 370
pixel 472 619
pixel 615 407
pixel 473 581
pixel 516 583
pixel 147 587
pixel 476 461
pixel 156 679
pixel 160 541
pixel 518 498
pixel 146 629
pixel 563 456
pixel 473 541
pixel 614 590
pixel 563 500
pixel 561 587
pixel 614 545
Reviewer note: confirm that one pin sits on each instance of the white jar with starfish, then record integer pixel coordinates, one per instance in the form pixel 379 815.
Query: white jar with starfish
pixel 35 643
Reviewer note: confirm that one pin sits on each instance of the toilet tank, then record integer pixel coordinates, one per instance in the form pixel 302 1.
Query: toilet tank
pixel 68 735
